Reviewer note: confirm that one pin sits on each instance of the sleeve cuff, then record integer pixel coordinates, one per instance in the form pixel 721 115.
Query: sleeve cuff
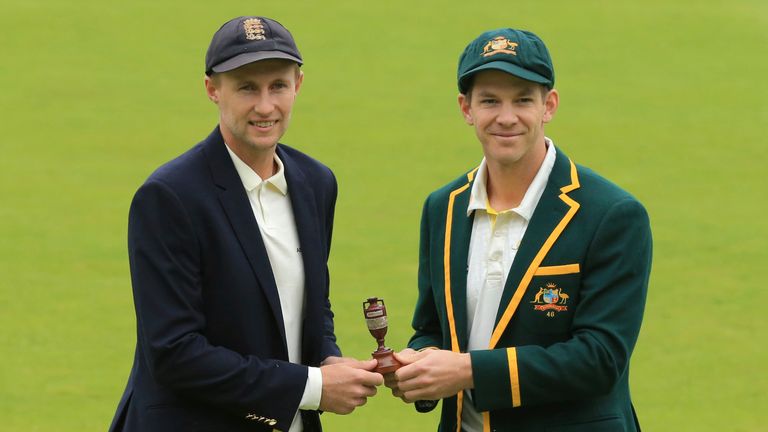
pixel 310 400
pixel 497 382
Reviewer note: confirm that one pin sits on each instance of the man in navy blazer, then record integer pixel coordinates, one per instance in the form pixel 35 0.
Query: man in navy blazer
pixel 228 248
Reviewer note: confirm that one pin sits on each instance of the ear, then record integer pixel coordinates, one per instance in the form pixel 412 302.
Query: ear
pixel 211 90
pixel 551 102
pixel 299 80
pixel 465 109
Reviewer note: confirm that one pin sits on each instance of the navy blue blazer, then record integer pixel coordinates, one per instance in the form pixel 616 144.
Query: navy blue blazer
pixel 211 353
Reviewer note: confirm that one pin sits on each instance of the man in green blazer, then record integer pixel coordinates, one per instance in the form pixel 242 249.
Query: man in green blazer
pixel 533 270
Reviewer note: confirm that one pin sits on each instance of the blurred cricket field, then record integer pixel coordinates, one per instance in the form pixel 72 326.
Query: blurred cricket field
pixel 666 98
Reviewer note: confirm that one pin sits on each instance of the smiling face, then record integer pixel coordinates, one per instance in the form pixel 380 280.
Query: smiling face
pixel 255 102
pixel 508 114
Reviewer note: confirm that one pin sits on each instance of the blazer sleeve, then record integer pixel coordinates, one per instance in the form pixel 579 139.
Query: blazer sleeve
pixel 165 263
pixel 605 326
pixel 426 318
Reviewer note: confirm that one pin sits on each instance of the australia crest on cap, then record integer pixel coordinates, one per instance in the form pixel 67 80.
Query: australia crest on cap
pixel 499 45
pixel 254 29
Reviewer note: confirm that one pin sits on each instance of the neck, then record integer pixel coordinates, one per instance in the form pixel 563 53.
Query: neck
pixel 262 162
pixel 265 166
pixel 506 185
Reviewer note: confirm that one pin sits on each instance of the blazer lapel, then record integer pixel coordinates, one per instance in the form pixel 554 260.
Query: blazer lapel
pixel 553 213
pixel 307 225
pixel 458 231
pixel 237 207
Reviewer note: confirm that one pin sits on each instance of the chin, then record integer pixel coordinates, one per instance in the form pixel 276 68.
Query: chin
pixel 263 142
pixel 506 158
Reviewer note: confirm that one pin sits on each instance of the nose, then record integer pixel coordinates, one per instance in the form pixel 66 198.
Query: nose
pixel 507 115
pixel 264 105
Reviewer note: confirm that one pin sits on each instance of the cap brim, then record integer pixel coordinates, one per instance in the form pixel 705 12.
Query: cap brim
pixel 507 67
pixel 250 57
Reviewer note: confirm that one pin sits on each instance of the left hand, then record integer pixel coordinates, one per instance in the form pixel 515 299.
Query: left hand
pixel 431 374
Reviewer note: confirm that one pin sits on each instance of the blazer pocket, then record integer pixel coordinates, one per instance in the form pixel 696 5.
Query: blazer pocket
pixel 173 417
pixel 557 270
pixel 611 424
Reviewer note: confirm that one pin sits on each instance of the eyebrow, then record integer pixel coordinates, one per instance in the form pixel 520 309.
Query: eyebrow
pixel 485 93
pixel 525 91
pixel 249 80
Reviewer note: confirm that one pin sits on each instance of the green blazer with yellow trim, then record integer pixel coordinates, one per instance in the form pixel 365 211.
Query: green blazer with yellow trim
pixel 570 313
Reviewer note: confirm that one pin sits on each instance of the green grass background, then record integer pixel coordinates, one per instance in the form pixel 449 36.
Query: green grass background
pixel 667 98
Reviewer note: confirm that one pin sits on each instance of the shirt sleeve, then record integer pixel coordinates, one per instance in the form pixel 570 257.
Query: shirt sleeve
pixel 310 400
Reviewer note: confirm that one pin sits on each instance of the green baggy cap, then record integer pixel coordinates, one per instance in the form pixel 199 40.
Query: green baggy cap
pixel 517 52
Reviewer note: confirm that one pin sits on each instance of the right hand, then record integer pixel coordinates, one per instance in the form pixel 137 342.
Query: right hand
pixel 433 374
pixel 348 385
pixel 390 380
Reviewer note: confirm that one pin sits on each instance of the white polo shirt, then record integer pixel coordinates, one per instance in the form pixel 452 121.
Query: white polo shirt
pixel 496 237
pixel 272 209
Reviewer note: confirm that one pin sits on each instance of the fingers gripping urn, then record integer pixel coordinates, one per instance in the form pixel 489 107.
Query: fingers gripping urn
pixel 376 318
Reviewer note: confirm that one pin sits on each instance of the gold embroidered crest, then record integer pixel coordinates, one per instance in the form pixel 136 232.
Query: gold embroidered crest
pixel 254 29
pixel 551 299
pixel 499 45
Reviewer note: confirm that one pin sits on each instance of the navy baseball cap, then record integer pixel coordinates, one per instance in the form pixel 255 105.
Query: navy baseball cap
pixel 247 39
pixel 517 52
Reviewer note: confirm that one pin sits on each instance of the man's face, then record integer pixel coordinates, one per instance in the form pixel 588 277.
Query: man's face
pixel 255 102
pixel 509 114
